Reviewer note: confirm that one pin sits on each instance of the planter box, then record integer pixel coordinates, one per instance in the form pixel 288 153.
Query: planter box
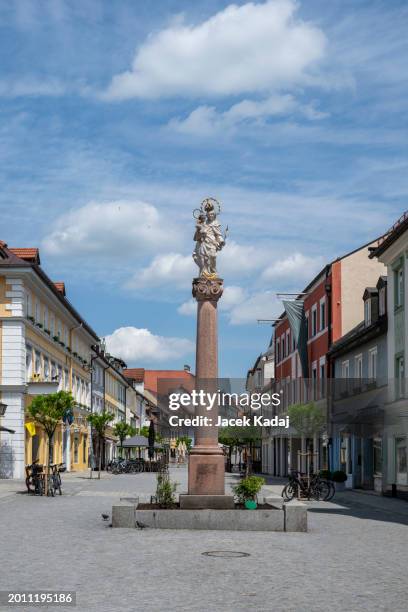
pixel 292 517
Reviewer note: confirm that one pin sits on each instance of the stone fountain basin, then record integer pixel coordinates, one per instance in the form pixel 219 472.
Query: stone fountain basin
pixel 277 517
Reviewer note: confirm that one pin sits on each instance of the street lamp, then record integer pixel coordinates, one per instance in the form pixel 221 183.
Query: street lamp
pixel 3 408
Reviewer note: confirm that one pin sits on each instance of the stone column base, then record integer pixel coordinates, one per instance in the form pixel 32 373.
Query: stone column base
pixel 206 474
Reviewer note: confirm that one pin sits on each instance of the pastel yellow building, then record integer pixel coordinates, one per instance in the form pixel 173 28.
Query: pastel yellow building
pixel 45 346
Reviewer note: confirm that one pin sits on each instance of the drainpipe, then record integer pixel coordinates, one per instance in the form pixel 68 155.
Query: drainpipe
pixel 91 453
pixel 329 368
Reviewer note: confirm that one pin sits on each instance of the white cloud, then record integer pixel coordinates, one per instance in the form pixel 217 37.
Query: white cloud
pixel 293 269
pixel 239 259
pixel 206 120
pixel 188 308
pixel 250 48
pixel 169 268
pixel 111 229
pixel 30 86
pixel 261 305
pixel 136 345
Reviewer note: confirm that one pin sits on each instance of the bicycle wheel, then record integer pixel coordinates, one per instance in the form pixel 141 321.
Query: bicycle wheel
pixel 332 491
pixel 320 491
pixel 289 492
pixel 58 483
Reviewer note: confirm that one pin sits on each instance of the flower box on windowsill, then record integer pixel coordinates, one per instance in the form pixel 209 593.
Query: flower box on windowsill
pixel 55 338
pixel 75 354
pixel 47 331
pixel 39 325
pixel 69 349
pixel 31 319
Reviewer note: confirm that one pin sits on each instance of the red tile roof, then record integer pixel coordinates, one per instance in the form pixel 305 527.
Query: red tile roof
pixel 28 254
pixel 136 374
pixel 60 286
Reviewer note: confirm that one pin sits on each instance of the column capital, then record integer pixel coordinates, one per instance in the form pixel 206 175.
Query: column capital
pixel 207 288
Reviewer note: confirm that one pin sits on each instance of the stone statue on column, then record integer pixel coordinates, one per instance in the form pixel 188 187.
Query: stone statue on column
pixel 208 237
pixel 206 459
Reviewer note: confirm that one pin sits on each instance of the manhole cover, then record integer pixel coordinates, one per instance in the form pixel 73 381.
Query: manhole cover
pixel 225 553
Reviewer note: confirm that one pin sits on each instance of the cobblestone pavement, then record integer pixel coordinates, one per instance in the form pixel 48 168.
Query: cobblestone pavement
pixel 353 558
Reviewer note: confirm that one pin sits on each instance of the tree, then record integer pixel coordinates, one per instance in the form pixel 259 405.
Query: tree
pixel 121 430
pixel 240 437
pixel 48 411
pixel 100 421
pixel 308 419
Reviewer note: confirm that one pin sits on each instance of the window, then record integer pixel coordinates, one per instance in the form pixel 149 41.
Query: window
pixel 307 325
pixel 372 363
pixel 278 358
pixel 46 369
pixel 54 372
pixel 358 367
pixel 66 380
pixel 377 456
pixel 52 324
pixel 37 311
pixel 367 312
pixel 283 347
pixel 29 362
pixel 66 336
pixel 45 317
pixel 382 302
pixel 322 314
pixel 399 287
pixel 399 375
pixel 345 369
pixel 314 380
pixel 29 310
pixel 84 453
pixel 288 342
pixel 59 329
pixel 314 320
pixel 76 446
pixel 37 363
pixel 322 379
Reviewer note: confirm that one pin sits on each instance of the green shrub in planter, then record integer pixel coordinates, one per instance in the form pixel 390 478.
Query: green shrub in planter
pixel 248 488
pixel 339 476
pixel 326 474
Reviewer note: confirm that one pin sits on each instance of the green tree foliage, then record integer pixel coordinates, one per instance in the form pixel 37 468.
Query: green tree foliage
pixel 122 430
pixel 99 422
pixel 49 410
pixel 307 419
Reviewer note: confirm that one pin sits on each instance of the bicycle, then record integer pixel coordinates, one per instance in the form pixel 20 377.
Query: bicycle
pixel 312 487
pixel 54 482
pixel 35 478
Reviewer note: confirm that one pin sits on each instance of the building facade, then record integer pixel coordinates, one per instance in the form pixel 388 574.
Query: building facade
pixel 45 346
pixel 332 306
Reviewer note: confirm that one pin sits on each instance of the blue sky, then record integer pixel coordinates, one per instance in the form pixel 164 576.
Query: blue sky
pixel 118 118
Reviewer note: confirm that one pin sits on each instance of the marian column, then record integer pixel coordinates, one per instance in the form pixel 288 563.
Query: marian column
pixel 206 461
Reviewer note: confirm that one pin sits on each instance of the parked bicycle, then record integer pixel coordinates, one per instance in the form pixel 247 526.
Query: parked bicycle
pixel 54 478
pixel 310 487
pixel 35 478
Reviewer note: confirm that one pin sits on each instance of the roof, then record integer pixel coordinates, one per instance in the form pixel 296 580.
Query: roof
pixel 30 254
pixel 385 241
pixel 360 334
pixel 150 378
pixel 9 258
pixel 135 374
pixel 60 286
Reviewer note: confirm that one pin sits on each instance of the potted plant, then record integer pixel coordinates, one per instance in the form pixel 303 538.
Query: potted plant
pixel 339 478
pixel 39 325
pixel 247 491
pixel 30 318
pixel 55 338
pixel 47 331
